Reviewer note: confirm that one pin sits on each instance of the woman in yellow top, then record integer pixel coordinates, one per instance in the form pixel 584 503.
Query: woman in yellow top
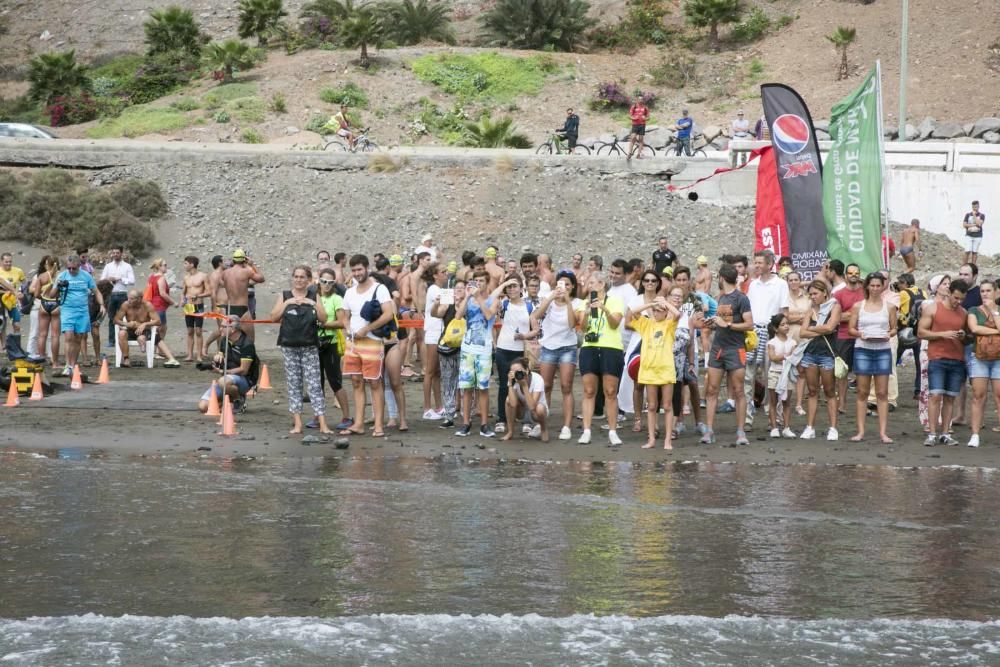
pixel 656 361
pixel 602 356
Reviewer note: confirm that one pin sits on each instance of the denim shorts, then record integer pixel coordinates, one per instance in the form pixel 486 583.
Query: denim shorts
pixel 560 355
pixel 945 376
pixel 982 369
pixel 872 362
pixel 823 361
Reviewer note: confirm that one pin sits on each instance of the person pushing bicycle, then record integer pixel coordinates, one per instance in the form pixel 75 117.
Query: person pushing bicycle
pixel 570 131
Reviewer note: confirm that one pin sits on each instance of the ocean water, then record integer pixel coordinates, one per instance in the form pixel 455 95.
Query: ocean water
pixel 107 560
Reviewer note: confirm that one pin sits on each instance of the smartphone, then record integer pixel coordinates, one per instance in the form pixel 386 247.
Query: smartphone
pixel 447 297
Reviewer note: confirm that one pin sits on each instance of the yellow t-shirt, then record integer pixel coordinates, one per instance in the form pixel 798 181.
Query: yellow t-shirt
pixel 656 356
pixel 15 276
pixel 607 337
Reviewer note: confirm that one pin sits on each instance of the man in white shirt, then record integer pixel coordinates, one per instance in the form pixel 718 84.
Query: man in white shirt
pixel 768 296
pixel 427 245
pixel 622 289
pixel 365 350
pixel 122 277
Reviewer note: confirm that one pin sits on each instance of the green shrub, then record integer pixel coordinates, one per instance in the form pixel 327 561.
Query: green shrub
pixel 172 29
pixel 755 70
pixel 251 136
pixel 139 120
pixel 753 27
pixel 118 67
pixel 160 75
pixel 499 134
pixel 221 117
pixel 185 104
pixel 52 208
pixel 408 23
pixel 784 20
pixel 316 123
pixel 232 91
pixel 211 101
pixel 350 94
pixel 536 24
pixel 56 74
pixel 260 19
pixel 247 109
pixel 72 109
pixel 21 110
pixel 278 104
pixel 446 125
pixel 677 70
pixel 142 199
pixel 642 24
pixel 484 76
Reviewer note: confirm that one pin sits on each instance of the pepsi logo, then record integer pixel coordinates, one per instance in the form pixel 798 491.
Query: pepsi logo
pixel 790 133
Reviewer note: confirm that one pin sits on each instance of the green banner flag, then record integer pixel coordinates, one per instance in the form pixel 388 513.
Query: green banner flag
pixel 852 179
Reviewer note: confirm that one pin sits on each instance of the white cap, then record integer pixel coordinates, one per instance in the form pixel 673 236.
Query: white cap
pixel 427 237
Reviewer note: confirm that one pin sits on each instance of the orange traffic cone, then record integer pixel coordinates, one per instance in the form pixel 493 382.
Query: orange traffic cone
pixel 36 389
pixel 228 421
pixel 265 378
pixel 102 377
pixel 77 381
pixel 13 400
pixel 213 401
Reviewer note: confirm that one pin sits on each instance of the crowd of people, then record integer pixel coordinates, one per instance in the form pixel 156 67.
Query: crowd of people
pixel 658 346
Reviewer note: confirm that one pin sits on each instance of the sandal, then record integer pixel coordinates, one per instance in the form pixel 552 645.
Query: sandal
pixel 349 431
pixel 637 426
pixel 173 363
pixel 126 363
pixel 378 434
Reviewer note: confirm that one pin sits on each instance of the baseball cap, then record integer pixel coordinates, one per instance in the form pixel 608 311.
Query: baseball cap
pixel 784 271
pixel 668 271
pixel 490 252
pixel 702 260
pixel 239 255
pixel 740 112
pixel 427 237
pixel 452 267
pixel 395 260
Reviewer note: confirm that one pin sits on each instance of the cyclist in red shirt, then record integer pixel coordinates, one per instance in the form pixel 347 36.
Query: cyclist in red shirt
pixel 639 114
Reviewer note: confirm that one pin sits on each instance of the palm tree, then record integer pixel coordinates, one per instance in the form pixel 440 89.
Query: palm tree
pixel 489 134
pixel 536 24
pixel 713 13
pixel 172 29
pixel 361 29
pixel 337 11
pixel 410 23
pixel 55 74
pixel 260 18
pixel 229 55
pixel 841 38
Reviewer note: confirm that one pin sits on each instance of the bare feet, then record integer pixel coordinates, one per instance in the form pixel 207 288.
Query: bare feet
pixel 667 444
pixel 649 444
pixel 545 436
pixel 886 440
pixel 507 436
pixel 637 426
pixel 858 438
pixel 296 431
pixel 325 431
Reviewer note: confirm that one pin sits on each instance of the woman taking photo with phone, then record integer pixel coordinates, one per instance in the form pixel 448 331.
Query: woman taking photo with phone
pixel 556 317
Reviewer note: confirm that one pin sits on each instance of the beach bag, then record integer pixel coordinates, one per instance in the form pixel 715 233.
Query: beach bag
pixel 840 368
pixel 372 310
pixel 988 347
pixel 750 340
pixel 454 333
pixel 448 350
pixel 298 325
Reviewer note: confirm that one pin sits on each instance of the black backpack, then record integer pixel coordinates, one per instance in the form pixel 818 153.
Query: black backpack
pixel 299 327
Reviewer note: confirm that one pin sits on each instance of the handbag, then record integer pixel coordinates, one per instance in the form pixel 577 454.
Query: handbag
pixel 840 368
pixel 454 333
pixel 372 310
pixel 750 340
pixel 988 347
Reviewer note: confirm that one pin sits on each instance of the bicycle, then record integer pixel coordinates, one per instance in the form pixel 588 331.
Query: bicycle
pixel 697 150
pixel 556 143
pixel 362 143
pixel 616 148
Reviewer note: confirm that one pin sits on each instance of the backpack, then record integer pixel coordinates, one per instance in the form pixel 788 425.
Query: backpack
pixel 372 310
pixel 454 333
pixel 506 302
pixel 917 297
pixel 299 327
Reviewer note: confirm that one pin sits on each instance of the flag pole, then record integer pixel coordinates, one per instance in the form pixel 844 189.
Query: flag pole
pixel 884 203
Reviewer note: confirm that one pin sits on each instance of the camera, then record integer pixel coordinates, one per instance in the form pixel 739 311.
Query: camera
pixel 592 337
pixel 519 375
pixel 205 365
pixel 63 284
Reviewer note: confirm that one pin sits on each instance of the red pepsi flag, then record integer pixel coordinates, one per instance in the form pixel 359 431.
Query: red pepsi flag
pixel 770 232
pixel 800 175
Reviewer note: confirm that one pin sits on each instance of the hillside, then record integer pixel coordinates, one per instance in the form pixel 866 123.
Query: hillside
pixel 949 76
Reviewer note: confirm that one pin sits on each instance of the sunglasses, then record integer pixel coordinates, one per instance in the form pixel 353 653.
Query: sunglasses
pixel 652 281
pixel 324 281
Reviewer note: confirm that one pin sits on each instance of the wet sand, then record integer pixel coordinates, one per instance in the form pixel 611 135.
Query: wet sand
pixel 152 413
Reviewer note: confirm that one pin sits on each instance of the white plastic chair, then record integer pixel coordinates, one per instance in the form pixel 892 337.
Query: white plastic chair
pixel 150 347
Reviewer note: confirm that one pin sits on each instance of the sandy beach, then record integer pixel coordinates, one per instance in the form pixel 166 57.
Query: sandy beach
pixel 152 413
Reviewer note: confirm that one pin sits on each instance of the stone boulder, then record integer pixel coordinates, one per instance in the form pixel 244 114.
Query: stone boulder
pixel 991 137
pixel 890 132
pixel 912 133
pixel 984 125
pixel 948 131
pixel 822 124
pixel 926 127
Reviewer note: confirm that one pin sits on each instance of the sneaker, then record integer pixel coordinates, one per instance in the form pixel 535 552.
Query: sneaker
pixel 432 415
pixel 707 438
pixel 703 404
pixel 345 423
pixel 500 428
pixel 464 430
pixel 680 429
pixel 535 432
pixel 565 433
pixel 775 433
pixel 613 438
pixel 726 407
pixel 947 440
pixel 598 418
pixel 832 434
pixel 526 429
pixel 741 438
pixel 584 437
pixel 485 431
pixel 974 440
pixel 701 428
pixel 788 433
pixel 809 433
pixel 312 423
pixel 447 423
pixel 66 372
pixel 931 440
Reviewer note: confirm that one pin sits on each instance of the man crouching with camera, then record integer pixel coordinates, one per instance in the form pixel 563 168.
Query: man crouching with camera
pixel 238 363
pixel 527 393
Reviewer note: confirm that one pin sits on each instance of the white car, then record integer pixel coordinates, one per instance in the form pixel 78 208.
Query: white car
pixel 23 130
